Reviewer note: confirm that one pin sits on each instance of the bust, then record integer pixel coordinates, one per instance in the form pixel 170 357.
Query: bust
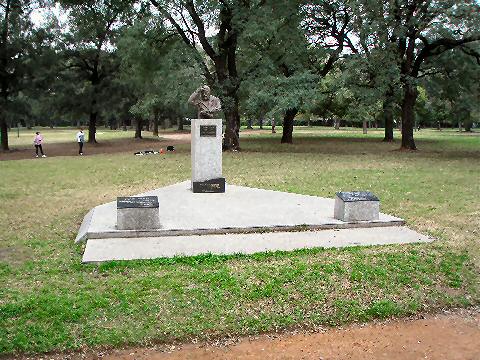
pixel 205 103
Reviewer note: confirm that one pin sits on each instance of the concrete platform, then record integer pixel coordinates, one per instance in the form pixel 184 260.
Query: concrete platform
pixel 239 210
pixel 98 250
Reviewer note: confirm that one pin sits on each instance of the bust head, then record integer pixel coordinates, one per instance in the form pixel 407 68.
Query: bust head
pixel 205 92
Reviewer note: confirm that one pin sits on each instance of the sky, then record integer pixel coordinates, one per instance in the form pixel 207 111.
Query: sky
pixel 40 15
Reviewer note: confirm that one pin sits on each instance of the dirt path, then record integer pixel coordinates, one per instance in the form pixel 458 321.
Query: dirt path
pixel 446 336
pixel 451 335
pixel 105 147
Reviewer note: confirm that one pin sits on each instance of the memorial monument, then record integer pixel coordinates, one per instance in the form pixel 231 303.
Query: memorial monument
pixel 177 221
pixel 206 146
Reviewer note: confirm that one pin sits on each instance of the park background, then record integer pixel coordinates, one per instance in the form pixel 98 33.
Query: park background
pixel 124 71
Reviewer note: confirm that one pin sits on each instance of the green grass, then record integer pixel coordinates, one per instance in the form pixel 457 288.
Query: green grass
pixel 49 301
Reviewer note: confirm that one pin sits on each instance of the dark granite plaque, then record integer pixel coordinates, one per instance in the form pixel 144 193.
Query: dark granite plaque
pixel 209 186
pixel 137 202
pixel 208 130
pixel 350 196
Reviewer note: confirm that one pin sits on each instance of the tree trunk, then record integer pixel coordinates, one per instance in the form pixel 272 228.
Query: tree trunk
pixel 336 124
pixel 4 75
pixel 231 139
pixel 92 127
pixel 4 125
pixel 364 126
pixel 287 137
pixel 4 133
pixel 468 126
pixel 408 116
pixel 459 125
pixel 388 115
pixel 92 124
pixel 260 122
pixel 156 114
pixel 138 128
pixel 180 123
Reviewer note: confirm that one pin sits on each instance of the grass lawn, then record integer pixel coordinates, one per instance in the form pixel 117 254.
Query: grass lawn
pixel 49 301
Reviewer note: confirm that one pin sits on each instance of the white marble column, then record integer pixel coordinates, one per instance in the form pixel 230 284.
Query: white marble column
pixel 206 149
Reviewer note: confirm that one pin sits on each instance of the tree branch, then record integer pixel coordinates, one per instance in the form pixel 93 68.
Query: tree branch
pixel 189 5
pixel 439 46
pixel 186 40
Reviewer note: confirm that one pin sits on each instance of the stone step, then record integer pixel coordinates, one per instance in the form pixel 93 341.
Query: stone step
pixel 98 250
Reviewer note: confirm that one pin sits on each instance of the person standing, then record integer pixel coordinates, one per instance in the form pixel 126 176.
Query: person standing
pixel 38 141
pixel 80 140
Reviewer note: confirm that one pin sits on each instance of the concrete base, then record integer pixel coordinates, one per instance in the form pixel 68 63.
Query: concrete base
pixel 249 210
pixel 98 250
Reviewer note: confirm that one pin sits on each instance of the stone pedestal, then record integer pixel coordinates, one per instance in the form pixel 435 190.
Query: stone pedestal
pixel 207 156
pixel 138 213
pixel 356 206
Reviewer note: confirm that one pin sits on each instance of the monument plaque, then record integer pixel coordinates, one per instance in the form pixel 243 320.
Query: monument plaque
pixel 209 186
pixel 356 206
pixel 138 213
pixel 208 130
pixel 350 196
pixel 137 202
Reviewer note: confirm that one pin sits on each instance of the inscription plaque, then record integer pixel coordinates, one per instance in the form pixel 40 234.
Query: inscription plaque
pixel 209 186
pixel 350 196
pixel 137 202
pixel 208 130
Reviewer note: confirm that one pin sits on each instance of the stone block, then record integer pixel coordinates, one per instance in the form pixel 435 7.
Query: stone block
pixel 138 213
pixel 206 149
pixel 356 206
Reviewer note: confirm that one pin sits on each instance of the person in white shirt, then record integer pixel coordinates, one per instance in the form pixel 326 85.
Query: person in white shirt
pixel 80 140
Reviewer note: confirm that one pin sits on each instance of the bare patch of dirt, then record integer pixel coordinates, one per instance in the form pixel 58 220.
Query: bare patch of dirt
pixel 451 335
pixel 105 147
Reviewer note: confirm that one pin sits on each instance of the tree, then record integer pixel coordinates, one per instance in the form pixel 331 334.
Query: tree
pixel 451 94
pixel 17 42
pixel 421 30
pixel 324 37
pixel 94 26
pixel 159 70
pixel 229 19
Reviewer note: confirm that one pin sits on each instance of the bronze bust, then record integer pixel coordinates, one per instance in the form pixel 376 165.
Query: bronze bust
pixel 206 104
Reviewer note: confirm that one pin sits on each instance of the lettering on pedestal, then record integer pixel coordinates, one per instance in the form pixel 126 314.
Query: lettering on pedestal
pixel 209 186
pixel 352 196
pixel 208 130
pixel 137 202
